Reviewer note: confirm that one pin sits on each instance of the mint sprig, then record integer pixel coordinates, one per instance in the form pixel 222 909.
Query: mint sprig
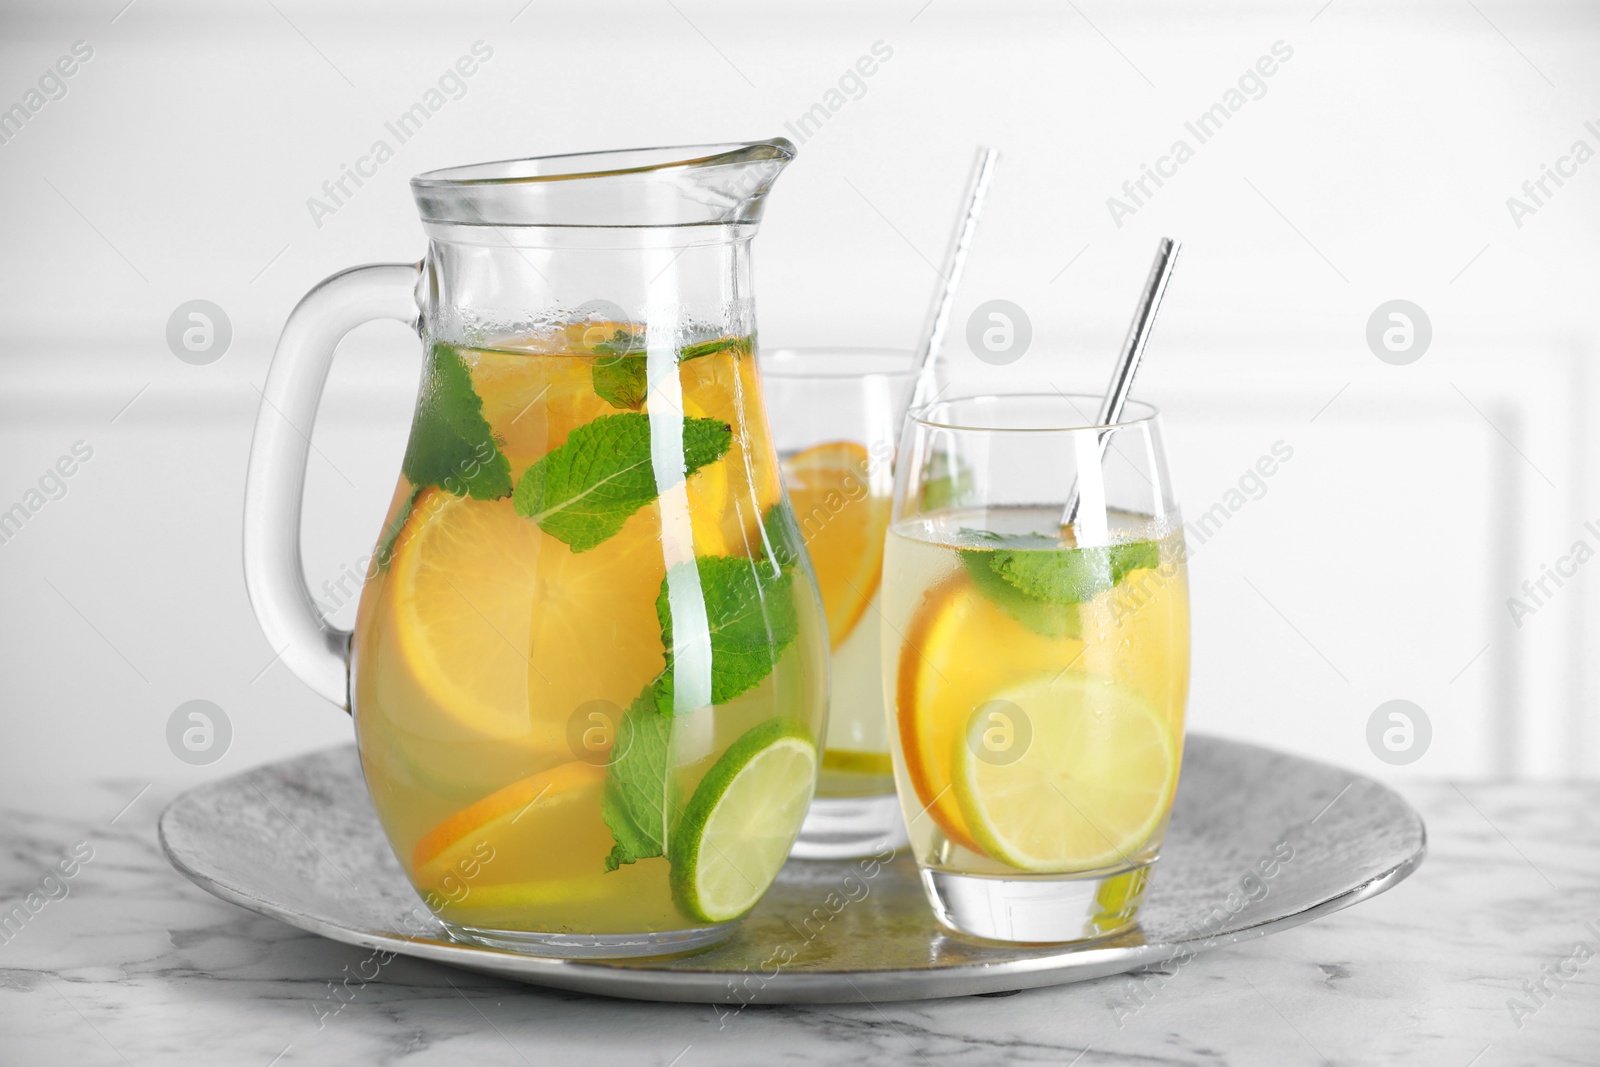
pixel 1040 616
pixel 640 802
pixel 620 381
pixel 1042 588
pixel 742 345
pixel 451 444
pixel 751 619
pixel 1071 576
pixel 582 492
pixel 782 532
pixel 947 484
pixel 620 376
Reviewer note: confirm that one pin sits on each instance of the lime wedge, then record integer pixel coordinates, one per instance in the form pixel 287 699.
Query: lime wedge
pixel 1091 784
pixel 742 821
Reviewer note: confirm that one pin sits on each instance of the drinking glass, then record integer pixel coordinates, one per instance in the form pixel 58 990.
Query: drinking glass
pixel 1037 671
pixel 835 415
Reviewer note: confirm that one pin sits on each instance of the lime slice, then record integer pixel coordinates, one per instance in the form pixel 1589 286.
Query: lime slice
pixel 1082 778
pixel 742 820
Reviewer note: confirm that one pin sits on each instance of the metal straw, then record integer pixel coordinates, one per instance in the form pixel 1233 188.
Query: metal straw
pixel 955 261
pixel 1144 320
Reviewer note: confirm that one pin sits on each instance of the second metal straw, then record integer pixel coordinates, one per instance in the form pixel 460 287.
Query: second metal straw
pixel 1144 320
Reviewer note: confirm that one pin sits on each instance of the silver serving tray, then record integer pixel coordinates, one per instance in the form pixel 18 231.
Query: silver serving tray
pixel 1260 841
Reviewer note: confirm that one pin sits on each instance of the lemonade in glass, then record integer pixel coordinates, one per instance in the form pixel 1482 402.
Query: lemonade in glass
pixel 1038 670
pixel 589 667
pixel 835 415
pixel 539 760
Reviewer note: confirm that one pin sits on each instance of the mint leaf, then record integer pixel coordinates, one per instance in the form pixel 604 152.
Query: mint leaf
pixel 751 618
pixel 390 537
pixel 625 343
pixel 640 802
pixel 1029 540
pixel 582 492
pixel 1042 588
pixel 621 340
pixel 620 381
pixel 451 444
pixel 742 345
pixel 947 483
pixel 1071 576
pixel 1040 616
pixel 1134 556
pixel 750 612
pixel 619 375
pixel 782 531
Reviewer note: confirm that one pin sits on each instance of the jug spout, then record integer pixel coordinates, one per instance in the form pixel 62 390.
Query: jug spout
pixel 686 185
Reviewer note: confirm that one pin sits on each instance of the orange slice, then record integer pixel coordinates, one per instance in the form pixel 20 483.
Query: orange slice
pixel 844 527
pixel 960 652
pixel 725 386
pixel 594 634
pixel 508 631
pixel 709 494
pixel 532 401
pixel 463 576
pixel 487 820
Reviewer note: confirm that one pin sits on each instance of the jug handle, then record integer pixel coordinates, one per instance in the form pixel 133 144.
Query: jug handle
pixel 317 653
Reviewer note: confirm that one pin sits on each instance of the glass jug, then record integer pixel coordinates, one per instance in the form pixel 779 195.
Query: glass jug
pixel 588 673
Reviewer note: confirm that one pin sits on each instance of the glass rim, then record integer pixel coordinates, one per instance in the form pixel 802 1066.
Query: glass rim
pixel 1136 413
pixel 575 165
pixel 769 359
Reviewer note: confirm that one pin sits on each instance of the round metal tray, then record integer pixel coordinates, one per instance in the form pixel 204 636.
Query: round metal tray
pixel 1260 841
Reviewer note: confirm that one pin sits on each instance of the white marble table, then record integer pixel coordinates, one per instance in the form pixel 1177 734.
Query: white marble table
pixel 135 965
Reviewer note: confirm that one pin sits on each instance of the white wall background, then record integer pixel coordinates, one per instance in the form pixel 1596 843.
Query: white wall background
pixel 1376 165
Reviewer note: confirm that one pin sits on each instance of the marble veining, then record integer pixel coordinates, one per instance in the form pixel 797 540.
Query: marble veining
pixel 136 965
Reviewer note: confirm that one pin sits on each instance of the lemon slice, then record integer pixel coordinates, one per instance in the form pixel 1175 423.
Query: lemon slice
pixel 742 821
pixel 1078 777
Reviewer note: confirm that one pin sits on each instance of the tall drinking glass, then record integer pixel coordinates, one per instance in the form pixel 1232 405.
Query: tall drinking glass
pixel 1037 672
pixel 835 415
